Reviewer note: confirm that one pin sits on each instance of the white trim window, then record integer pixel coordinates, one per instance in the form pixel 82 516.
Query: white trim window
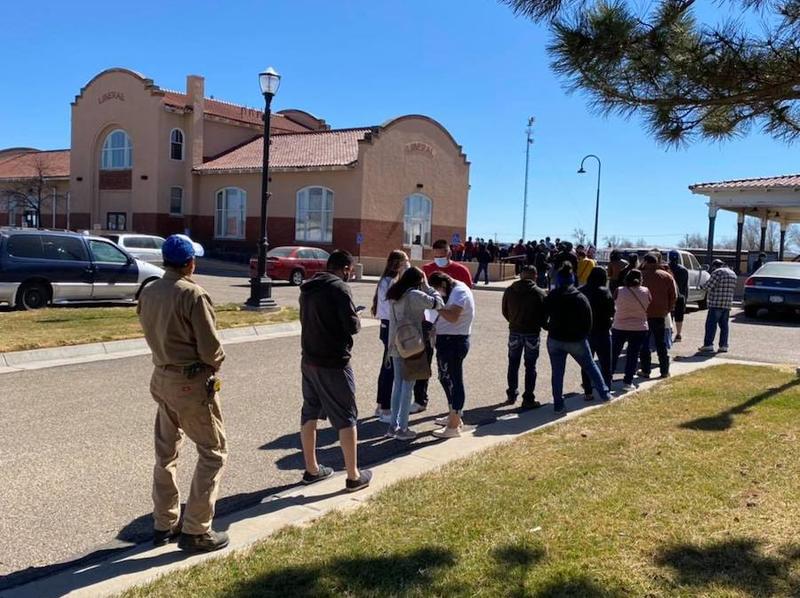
pixel 231 210
pixel 176 144
pixel 417 219
pixel 176 201
pixel 117 151
pixel 314 215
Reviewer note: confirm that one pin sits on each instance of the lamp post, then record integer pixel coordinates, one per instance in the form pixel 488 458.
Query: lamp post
pixel 529 132
pixel 261 285
pixel 581 170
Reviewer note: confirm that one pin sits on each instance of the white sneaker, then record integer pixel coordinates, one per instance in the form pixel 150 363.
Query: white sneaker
pixel 442 421
pixel 417 408
pixel 706 349
pixel 722 349
pixel 447 433
pixel 628 387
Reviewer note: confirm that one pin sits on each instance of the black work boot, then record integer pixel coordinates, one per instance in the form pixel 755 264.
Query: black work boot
pixel 207 542
pixel 165 536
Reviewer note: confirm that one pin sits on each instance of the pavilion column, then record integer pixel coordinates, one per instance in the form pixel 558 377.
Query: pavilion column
pixel 782 246
pixel 712 220
pixel 762 245
pixel 739 234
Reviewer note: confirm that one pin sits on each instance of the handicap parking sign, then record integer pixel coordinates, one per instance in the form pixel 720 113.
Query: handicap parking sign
pixel 456 239
pixel 359 239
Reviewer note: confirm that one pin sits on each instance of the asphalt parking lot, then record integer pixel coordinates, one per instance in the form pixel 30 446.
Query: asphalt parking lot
pixel 77 452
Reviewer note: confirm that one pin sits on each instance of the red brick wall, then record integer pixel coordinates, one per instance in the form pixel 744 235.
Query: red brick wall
pixel 115 180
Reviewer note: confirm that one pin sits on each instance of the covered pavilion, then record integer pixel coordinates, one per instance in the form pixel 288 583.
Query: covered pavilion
pixel 770 198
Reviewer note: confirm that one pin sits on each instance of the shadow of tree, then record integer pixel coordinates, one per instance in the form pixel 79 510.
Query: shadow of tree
pixel 724 420
pixel 738 564
pixel 391 575
pixel 513 562
pixel 576 587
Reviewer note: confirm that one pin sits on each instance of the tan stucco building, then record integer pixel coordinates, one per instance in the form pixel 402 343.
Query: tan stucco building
pixel 151 160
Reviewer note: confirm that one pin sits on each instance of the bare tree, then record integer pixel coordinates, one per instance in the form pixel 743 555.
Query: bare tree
pixel 580 236
pixel 617 241
pixel 29 193
pixel 751 235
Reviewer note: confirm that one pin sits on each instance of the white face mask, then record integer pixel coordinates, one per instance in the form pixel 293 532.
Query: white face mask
pixel 441 261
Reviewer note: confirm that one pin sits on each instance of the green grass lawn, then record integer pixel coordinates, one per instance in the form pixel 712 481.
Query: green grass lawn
pixel 60 326
pixel 690 489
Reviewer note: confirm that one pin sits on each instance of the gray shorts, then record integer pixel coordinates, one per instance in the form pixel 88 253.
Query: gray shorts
pixel 329 392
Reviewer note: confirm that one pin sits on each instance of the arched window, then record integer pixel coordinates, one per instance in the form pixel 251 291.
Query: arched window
pixel 314 216
pixel 176 144
pixel 417 221
pixel 117 151
pixel 175 201
pixel 231 213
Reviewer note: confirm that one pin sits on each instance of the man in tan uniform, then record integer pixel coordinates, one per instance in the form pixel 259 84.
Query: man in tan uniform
pixel 179 324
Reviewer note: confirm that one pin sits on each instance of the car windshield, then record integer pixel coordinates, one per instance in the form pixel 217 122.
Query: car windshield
pixel 786 269
pixel 279 252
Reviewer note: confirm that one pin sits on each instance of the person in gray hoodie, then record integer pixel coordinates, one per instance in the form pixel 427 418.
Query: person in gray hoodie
pixel 409 297
pixel 523 309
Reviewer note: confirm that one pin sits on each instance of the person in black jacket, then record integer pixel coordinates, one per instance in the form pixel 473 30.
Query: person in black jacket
pixel 523 309
pixel 681 275
pixel 329 320
pixel 569 323
pixel 599 296
pixel 484 259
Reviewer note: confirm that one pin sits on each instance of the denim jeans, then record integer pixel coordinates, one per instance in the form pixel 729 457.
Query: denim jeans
pixel 717 316
pixel 386 375
pixel 482 268
pixel 451 349
pixel 421 386
pixel 581 353
pixel 634 338
pixel 658 332
pixel 401 396
pixel 519 344
pixel 599 345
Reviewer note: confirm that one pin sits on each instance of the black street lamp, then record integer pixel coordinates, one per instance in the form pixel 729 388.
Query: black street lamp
pixel 261 285
pixel 581 170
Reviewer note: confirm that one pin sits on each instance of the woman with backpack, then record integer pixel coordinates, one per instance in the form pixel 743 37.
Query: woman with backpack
pixel 396 264
pixel 630 324
pixel 409 297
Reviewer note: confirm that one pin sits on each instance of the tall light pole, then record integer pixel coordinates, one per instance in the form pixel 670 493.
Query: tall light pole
pixel 529 131
pixel 597 198
pixel 260 284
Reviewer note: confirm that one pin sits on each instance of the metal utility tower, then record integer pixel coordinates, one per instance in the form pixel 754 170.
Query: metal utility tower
pixel 528 144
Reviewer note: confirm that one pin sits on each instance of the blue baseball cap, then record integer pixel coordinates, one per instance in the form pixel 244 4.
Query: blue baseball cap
pixel 674 256
pixel 179 249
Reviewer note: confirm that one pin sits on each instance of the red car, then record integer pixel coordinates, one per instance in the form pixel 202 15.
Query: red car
pixel 294 264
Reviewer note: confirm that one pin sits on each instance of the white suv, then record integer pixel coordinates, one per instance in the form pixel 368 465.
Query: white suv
pixel 143 247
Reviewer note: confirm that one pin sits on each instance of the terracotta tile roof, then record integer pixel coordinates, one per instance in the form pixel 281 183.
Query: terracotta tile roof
pixel 235 112
pixel 786 181
pixel 53 163
pixel 299 150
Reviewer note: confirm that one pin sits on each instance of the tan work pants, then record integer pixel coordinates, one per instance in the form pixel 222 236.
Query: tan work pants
pixel 184 407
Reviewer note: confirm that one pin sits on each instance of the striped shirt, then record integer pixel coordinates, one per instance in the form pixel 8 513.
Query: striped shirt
pixel 721 287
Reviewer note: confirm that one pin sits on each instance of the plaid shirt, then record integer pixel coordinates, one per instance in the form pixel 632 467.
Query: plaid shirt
pixel 721 287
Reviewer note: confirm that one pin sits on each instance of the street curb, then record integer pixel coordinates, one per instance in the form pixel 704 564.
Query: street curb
pixel 303 504
pixel 16 361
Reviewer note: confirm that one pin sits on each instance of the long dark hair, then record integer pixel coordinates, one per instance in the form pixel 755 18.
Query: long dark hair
pixel 411 279
pixel 444 281
pixel 391 270
pixel 633 278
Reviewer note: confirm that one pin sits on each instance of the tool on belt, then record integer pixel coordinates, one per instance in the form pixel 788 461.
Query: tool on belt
pixel 213 385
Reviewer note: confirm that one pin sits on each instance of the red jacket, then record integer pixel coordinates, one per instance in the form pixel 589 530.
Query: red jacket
pixel 455 270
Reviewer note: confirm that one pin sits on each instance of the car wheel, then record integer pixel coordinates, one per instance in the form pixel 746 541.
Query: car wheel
pixel 296 278
pixel 702 303
pixel 33 295
pixel 751 311
pixel 144 284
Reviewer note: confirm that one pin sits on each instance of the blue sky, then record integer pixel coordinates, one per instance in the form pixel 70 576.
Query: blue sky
pixel 471 64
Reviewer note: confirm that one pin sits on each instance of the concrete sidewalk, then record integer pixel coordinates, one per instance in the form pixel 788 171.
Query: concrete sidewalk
pixel 301 505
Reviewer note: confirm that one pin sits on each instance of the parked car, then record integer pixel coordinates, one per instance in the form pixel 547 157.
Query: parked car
pixel 143 247
pixel 294 264
pixel 698 274
pixel 774 287
pixel 39 267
